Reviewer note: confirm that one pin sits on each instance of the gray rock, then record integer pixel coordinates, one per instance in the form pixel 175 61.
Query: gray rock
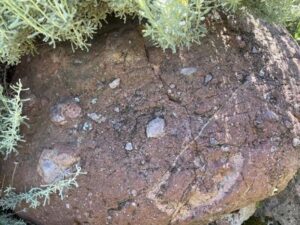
pixel 270 116
pixel 50 171
pixel 188 71
pixel 56 163
pixel 255 50
pixel 213 141
pixel 261 73
pixel 239 217
pixel 296 142
pixel 283 208
pixel 77 62
pixel 77 99
pixel 129 146
pixel 87 126
pixel 94 101
pixel 115 83
pixel 96 117
pixel 172 86
pixel 156 128
pixel 288 123
pixel 207 79
pixel 117 109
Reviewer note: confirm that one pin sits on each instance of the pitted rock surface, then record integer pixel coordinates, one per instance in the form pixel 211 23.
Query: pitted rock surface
pixel 227 142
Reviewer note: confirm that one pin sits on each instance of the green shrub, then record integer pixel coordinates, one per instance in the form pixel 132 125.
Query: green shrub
pixel 39 195
pixel 10 119
pixel 297 32
pixel 278 11
pixel 52 20
pixel 169 23
pixel 7 220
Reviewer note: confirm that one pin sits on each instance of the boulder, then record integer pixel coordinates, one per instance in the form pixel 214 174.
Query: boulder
pixel 283 208
pixel 228 134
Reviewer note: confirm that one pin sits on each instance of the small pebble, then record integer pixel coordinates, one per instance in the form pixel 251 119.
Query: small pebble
pixel 296 142
pixel 156 128
pixel 288 124
pixel 134 193
pixel 199 163
pixel 77 61
pixel 270 116
pixel 213 141
pixel 172 86
pixel 117 109
pixel 273 149
pixel 255 50
pixel 87 126
pixel 77 99
pixel 94 101
pixel 96 117
pixel 129 146
pixel 207 78
pixel 115 83
pixel 188 71
pixel 261 73
pixel 225 148
pixel 240 42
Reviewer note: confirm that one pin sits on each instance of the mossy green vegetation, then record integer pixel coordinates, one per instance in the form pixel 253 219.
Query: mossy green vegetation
pixel 169 23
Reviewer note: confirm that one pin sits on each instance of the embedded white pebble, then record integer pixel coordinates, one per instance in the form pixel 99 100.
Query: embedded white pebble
pixel 156 128
pixel 115 83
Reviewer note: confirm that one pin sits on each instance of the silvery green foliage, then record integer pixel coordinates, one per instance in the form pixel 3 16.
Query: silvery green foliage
pixel 230 4
pixel 172 24
pixel 121 8
pixel 52 20
pixel 278 11
pixel 39 195
pixel 169 23
pixel 10 119
pixel 7 220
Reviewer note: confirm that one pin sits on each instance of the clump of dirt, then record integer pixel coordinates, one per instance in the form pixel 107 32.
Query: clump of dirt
pixel 226 115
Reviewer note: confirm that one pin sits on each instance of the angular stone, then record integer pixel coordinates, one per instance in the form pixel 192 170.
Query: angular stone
pixel 296 142
pixel 207 79
pixel 156 128
pixel 115 83
pixel 129 146
pixel 188 71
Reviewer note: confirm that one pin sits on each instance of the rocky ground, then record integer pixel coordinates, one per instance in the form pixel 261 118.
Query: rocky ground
pixel 165 138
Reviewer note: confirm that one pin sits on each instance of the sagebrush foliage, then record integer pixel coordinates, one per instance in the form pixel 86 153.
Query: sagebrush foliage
pixel 39 195
pixel 10 119
pixel 169 23
pixel 7 220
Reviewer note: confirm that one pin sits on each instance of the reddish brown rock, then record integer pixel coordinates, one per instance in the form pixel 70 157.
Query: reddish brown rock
pixel 64 110
pixel 227 142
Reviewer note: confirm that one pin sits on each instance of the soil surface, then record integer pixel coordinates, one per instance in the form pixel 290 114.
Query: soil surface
pixel 164 138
